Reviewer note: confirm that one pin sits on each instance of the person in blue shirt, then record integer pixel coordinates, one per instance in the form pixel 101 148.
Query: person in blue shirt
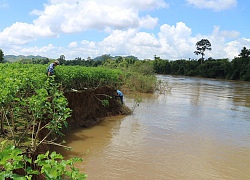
pixel 51 68
pixel 119 94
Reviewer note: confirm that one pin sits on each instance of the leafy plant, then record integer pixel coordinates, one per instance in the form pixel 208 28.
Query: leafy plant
pixel 33 110
pixel 51 165
pixel 11 160
pixel 105 101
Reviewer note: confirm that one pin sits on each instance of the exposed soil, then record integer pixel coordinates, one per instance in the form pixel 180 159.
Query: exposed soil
pixel 87 110
pixel 87 107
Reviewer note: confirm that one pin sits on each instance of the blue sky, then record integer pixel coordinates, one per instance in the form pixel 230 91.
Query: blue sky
pixel 142 28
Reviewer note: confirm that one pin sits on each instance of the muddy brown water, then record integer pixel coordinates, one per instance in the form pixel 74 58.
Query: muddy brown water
pixel 200 130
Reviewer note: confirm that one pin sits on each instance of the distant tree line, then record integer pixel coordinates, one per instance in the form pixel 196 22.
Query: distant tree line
pixel 237 69
pixel 34 61
pixel 80 62
pixel 1 56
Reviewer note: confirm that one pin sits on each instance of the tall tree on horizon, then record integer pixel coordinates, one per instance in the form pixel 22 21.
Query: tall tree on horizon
pixel 1 56
pixel 201 47
pixel 244 52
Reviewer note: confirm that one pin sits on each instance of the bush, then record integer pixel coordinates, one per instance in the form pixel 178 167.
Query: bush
pixel 16 165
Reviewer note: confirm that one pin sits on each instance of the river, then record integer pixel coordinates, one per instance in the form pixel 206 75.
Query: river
pixel 199 130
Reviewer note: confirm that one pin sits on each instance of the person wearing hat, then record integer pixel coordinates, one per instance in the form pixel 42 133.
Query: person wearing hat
pixel 51 68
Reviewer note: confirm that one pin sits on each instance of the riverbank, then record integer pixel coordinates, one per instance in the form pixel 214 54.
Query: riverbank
pixel 89 107
pixel 36 108
pixel 199 130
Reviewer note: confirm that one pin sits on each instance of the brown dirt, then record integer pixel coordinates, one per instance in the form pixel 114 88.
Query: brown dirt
pixel 87 108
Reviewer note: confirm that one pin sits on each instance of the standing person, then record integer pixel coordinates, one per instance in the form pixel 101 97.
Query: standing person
pixel 119 94
pixel 51 68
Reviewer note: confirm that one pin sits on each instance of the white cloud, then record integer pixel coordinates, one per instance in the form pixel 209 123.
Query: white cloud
pixel 230 34
pixel 42 51
pixel 88 44
pixel 71 16
pixel 148 22
pixel 140 4
pixel 124 27
pixel 22 33
pixel 62 1
pixel 75 16
pixel 233 48
pixel 221 44
pixel 144 39
pixel 216 5
pixel 172 42
pixel 176 41
pixel 117 42
pixel 73 44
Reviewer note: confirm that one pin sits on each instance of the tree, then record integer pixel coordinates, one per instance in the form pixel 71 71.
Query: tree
pixel 89 59
pixel 244 52
pixel 201 47
pixel 62 57
pixel 105 57
pixel 1 56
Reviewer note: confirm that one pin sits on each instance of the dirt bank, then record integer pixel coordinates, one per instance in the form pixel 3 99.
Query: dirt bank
pixel 88 109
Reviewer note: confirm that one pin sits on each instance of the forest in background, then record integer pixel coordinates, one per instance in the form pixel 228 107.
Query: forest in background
pixel 236 69
pixel 31 98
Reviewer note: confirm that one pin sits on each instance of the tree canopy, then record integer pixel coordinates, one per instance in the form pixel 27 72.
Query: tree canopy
pixel 244 52
pixel 1 56
pixel 202 46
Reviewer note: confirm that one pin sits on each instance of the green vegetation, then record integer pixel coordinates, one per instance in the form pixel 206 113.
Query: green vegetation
pixel 52 165
pixel 80 77
pixel 137 75
pixel 33 104
pixel 26 59
pixel 237 69
pixel 33 110
pixel 201 47
pixel 1 56
pixel 133 74
pixel 27 95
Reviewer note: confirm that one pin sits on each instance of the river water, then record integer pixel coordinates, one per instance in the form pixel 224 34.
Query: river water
pixel 199 130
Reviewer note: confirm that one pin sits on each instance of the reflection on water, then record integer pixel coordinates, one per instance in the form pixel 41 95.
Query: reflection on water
pixel 199 130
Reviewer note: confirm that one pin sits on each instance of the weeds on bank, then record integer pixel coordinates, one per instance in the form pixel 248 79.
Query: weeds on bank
pixel 163 87
pixel 33 111
pixel 49 165
pixel 140 83
pixel 104 100
pixel 32 103
pixel 137 101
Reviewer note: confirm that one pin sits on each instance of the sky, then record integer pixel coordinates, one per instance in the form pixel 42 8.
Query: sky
pixel 168 29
